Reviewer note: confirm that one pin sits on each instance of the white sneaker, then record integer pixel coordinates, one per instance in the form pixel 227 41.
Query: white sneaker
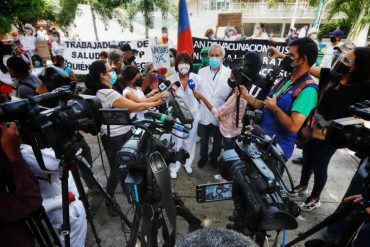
pixel 188 169
pixel 173 175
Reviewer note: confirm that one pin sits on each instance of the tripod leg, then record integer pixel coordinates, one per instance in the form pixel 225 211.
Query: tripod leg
pixel 135 226
pixel 83 198
pixel 66 226
pixel 89 173
pixel 44 216
pixel 35 231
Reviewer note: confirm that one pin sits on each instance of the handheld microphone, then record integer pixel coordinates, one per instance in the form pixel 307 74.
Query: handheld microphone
pixel 274 148
pixel 169 122
pixel 191 85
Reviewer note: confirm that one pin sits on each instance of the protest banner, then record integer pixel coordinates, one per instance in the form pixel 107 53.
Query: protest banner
pixel 237 49
pixel 80 54
pixel 161 56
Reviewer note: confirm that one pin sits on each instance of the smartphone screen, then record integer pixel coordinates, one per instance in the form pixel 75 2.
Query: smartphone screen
pixel 214 192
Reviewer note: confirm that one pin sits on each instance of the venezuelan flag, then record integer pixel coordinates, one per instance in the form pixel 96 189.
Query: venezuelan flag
pixel 184 38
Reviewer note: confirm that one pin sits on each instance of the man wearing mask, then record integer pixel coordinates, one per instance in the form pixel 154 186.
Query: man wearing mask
pixel 128 54
pixel 204 59
pixel 57 46
pixel 259 32
pixel 26 83
pixel 215 88
pixel 292 99
pixel 335 41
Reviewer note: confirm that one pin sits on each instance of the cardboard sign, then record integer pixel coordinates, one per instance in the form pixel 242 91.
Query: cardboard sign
pixel 161 56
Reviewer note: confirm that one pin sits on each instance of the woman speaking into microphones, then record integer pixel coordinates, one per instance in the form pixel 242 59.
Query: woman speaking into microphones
pixel 183 66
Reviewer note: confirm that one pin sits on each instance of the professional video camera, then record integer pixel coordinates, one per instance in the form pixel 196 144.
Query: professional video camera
pixel 350 133
pixel 260 194
pixel 146 178
pixel 58 128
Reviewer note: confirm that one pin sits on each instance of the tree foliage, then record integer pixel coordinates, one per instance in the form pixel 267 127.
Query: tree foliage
pixel 352 13
pixel 19 12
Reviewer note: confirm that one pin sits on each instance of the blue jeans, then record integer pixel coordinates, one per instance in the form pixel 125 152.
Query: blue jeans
pixel 229 142
pixel 316 158
pixel 204 132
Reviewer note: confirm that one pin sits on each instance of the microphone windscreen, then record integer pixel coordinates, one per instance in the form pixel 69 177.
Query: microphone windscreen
pixel 191 84
pixel 162 70
pixel 175 85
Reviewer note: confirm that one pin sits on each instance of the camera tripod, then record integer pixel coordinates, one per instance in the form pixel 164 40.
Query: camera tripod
pixel 152 219
pixel 72 162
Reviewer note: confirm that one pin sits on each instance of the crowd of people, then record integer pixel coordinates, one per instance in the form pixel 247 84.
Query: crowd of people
pixel 308 91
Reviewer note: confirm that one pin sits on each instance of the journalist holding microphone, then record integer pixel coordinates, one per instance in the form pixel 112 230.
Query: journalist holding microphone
pixel 291 100
pixel 188 82
pixel 345 83
pixel 99 82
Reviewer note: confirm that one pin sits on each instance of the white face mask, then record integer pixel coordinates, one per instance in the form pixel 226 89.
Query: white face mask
pixel 29 31
pixel 183 68
pixel 164 35
pixel 54 38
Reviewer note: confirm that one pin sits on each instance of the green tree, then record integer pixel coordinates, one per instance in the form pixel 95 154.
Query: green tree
pixel 20 12
pixel 352 13
pixel 147 8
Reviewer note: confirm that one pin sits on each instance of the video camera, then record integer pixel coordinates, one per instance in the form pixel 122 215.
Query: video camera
pixel 238 70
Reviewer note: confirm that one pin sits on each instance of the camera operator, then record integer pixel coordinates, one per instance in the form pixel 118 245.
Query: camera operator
pixel 184 66
pixel 132 81
pixel 25 82
pixel 99 82
pixel 347 82
pixel 290 102
pixel 18 197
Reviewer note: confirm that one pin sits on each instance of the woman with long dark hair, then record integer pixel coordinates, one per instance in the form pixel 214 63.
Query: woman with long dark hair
pixel 99 82
pixel 345 83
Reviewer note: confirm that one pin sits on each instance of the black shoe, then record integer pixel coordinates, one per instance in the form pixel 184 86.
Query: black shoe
pixel 112 211
pixel 298 161
pixel 202 163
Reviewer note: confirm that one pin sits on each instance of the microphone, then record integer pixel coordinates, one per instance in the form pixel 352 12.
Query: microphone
pixel 191 85
pixel 274 147
pixel 168 121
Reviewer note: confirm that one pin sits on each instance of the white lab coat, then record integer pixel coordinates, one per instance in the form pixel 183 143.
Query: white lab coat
pixel 190 142
pixel 215 88
pixel 50 188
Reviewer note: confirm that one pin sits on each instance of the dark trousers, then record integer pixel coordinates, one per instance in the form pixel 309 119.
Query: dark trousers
pixel 337 228
pixel 204 132
pixel 111 146
pixel 316 158
pixel 229 142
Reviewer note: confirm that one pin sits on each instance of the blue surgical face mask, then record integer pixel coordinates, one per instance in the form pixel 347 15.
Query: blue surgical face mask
pixel 37 64
pixel 113 77
pixel 214 62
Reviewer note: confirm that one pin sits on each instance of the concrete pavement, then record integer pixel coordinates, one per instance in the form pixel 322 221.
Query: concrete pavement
pixel 215 214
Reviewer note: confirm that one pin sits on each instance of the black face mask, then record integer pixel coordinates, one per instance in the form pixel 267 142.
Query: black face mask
pixel 139 82
pixel 286 64
pixel 333 39
pixel 130 59
pixel 339 69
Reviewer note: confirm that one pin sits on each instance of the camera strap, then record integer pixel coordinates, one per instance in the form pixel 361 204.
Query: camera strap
pixel 162 177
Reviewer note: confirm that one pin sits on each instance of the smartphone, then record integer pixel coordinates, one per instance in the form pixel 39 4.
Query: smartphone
pixel 214 192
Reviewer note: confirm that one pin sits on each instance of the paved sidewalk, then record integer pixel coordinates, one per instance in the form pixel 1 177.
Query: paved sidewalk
pixel 341 169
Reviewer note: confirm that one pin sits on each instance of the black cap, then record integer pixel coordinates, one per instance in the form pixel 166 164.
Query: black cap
pixel 126 47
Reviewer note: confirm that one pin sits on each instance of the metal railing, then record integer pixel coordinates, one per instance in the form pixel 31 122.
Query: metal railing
pixel 278 10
